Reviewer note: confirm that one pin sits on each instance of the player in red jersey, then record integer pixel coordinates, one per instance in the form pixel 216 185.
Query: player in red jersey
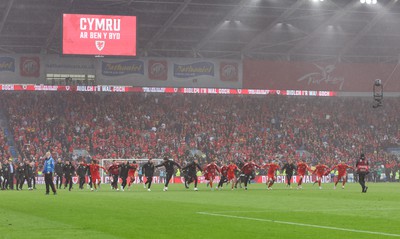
pixel 232 168
pixel 342 173
pixel 272 167
pixel 210 171
pixel 301 171
pixel 131 173
pixel 320 171
pixel 247 170
pixel 95 174
pixel 114 171
pixel 224 176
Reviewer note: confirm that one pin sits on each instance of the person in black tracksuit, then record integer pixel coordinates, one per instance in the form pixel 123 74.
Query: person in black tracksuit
pixel 169 168
pixel 191 174
pixel 6 175
pixel 148 171
pixel 34 174
pixel 81 172
pixel 20 175
pixel 58 170
pixel 239 174
pixel 362 167
pixel 1 176
pixel 69 171
pixel 289 167
pixel 89 176
pixel 123 173
pixel 28 174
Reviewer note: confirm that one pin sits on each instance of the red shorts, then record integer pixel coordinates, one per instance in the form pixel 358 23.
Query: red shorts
pixel 209 176
pixel 341 176
pixel 231 176
pixel 95 177
pixel 131 174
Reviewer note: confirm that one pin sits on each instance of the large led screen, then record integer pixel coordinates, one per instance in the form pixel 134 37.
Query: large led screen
pixel 103 35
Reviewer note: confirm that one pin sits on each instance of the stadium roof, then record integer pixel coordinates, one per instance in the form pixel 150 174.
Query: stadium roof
pixel 266 29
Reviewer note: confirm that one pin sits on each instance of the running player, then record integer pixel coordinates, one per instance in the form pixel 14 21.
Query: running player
pixel 95 174
pixel 169 168
pixel 131 173
pixel 232 169
pixel 342 173
pixel 320 171
pixel 301 171
pixel 272 167
pixel 210 172
pixel 248 169
pixel 224 176
pixel 191 174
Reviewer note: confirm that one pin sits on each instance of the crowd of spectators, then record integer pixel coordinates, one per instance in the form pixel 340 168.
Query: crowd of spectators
pixel 140 125
pixel 4 147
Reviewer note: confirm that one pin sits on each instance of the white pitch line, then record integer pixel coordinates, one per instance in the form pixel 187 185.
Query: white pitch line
pixel 301 224
pixel 323 210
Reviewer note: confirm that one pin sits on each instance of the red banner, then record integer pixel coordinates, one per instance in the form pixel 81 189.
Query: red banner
pixel 122 89
pixel 349 77
pixel 99 35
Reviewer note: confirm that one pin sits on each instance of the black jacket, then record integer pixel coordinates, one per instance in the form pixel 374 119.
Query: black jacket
pixel 20 172
pixel 28 171
pixel 148 169
pixel 289 168
pixel 68 170
pixel 58 169
pixel 6 170
pixel 169 166
pixel 123 170
pixel 81 170
pixel 191 167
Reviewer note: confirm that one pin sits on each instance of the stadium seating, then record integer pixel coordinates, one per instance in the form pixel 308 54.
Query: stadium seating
pixel 226 127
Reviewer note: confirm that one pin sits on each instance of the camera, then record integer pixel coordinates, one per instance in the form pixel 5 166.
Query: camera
pixel 378 93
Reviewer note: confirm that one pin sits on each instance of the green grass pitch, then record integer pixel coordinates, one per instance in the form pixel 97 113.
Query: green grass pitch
pixel 181 213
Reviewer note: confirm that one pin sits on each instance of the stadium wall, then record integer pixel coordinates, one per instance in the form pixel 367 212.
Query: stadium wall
pixel 151 72
pixel 338 77
pixel 356 78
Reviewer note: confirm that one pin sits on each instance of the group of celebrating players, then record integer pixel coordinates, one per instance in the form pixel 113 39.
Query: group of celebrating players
pixel 233 173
